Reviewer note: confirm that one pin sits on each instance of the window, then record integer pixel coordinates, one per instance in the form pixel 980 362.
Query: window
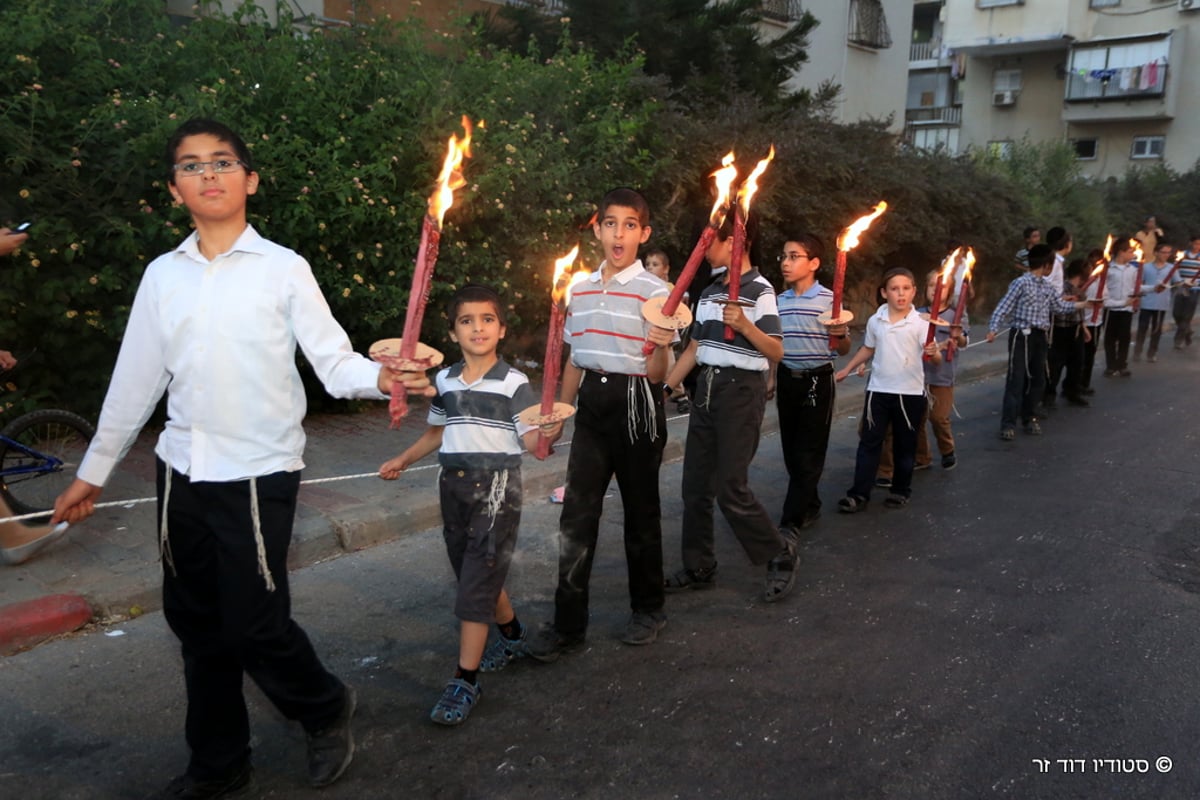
pixel 868 25
pixel 1085 149
pixel 999 149
pixel 1105 3
pixel 1006 80
pixel 781 10
pixel 1148 147
pixel 1124 69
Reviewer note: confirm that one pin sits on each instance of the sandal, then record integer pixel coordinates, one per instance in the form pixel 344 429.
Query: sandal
pixel 458 698
pixel 502 652
pixel 895 501
pixel 851 504
pixel 691 579
pixel 781 575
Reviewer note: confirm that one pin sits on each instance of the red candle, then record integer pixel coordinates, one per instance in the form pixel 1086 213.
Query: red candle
pixel 1167 280
pixel 935 305
pixel 845 243
pixel 554 345
pixel 1099 294
pixel 1137 288
pixel 963 291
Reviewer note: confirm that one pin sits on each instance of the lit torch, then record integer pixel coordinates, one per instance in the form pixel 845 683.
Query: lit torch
pixel 1136 301
pixel 741 212
pixel 665 312
pixel 845 243
pixel 935 305
pixel 1098 303
pixel 961 308
pixel 408 354
pixel 549 411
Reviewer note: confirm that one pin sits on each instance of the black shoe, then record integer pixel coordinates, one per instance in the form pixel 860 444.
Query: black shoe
pixel 1124 373
pixel 1087 390
pixel 1033 427
pixel 810 519
pixel 1076 400
pixel 682 404
pixel 185 787
pixel 691 579
pixel 949 461
pixel 331 750
pixel 548 644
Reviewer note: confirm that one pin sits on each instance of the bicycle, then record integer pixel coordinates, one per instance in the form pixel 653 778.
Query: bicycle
pixel 39 452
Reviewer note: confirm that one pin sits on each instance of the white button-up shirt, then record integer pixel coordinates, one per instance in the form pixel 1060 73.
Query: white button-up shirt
pixel 220 337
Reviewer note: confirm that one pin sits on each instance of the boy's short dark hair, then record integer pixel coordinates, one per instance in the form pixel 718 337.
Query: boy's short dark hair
pixel 813 246
pixel 1040 255
pixel 1122 241
pixel 198 126
pixel 627 198
pixel 658 251
pixel 1057 237
pixel 1031 230
pixel 896 272
pixel 1078 268
pixel 475 293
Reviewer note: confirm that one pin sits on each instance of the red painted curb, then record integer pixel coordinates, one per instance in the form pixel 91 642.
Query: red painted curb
pixel 27 623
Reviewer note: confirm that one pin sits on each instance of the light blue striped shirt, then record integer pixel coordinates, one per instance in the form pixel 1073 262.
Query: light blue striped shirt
pixel 805 340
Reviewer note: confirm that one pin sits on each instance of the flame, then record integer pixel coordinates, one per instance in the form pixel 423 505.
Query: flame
pixel 1108 248
pixel 451 177
pixel 561 266
pixel 1179 257
pixel 577 277
pixel 725 176
pixel 849 238
pixel 949 263
pixel 1137 250
pixel 970 264
pixel 1096 272
pixel 750 185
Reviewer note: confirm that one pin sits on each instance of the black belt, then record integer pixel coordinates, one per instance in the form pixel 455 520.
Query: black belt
pixel 808 373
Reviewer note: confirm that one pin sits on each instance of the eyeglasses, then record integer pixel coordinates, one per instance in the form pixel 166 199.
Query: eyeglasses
pixel 219 166
pixel 792 257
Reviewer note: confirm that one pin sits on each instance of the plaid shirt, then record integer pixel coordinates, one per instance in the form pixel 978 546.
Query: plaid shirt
pixel 1028 303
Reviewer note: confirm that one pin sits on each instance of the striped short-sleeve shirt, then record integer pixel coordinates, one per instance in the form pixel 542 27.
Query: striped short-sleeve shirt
pixel 709 331
pixel 805 340
pixel 480 418
pixel 605 326
pixel 1189 268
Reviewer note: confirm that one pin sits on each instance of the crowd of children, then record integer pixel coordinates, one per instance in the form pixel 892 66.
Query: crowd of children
pixel 230 455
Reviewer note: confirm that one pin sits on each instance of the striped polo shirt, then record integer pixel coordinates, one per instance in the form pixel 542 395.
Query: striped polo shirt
pixel 1189 268
pixel 709 331
pixel 605 326
pixel 480 419
pixel 805 340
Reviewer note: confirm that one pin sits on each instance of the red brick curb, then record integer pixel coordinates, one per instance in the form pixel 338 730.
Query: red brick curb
pixel 25 624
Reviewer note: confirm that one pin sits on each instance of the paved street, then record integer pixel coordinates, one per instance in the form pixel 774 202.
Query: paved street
pixel 1024 629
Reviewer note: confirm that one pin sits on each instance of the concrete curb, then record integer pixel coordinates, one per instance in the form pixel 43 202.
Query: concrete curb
pixel 363 525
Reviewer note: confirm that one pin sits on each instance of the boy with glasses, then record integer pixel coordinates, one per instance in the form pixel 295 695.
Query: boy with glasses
pixel 215 324
pixel 802 383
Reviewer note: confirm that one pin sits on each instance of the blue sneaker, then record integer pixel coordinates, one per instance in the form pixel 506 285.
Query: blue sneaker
pixel 458 698
pixel 502 652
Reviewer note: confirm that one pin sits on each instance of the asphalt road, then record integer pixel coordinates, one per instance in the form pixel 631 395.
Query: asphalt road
pixel 1024 629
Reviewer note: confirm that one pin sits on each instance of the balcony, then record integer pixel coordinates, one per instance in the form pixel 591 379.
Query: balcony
pixel 786 11
pixel 1116 84
pixel 933 115
pixel 923 51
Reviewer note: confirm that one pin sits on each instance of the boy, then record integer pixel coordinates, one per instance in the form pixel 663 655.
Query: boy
pixel 894 343
pixel 1187 291
pixel 1120 287
pixel 1153 303
pixel 1032 236
pixel 1027 306
pixel 1068 336
pixel 620 428
pixel 658 263
pixel 215 323
pixel 726 419
pixel 803 381
pixel 473 424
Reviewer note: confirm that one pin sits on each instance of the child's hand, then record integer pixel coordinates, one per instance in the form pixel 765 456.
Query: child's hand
pixel 1162 287
pixel 839 330
pixel 733 316
pixel 841 375
pixel 392 468
pixel 931 349
pixel 660 337
pixel 552 430
pixel 415 383
pixel 991 337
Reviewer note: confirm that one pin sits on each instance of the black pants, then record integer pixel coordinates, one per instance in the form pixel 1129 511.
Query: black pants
pixel 1089 357
pixel 724 428
pixel 1183 309
pixel 1117 328
pixel 1026 378
pixel 1149 322
pixel 1065 355
pixel 227 621
pixel 805 404
pixel 904 414
pixel 609 440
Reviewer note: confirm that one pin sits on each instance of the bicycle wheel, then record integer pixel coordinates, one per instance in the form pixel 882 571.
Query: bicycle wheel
pixel 57 440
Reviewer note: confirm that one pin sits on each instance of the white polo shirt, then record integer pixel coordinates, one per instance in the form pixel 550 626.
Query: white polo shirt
pixel 897 367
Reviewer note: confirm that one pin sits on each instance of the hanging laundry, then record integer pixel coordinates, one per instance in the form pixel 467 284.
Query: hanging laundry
pixel 1102 75
pixel 1149 80
pixel 1126 78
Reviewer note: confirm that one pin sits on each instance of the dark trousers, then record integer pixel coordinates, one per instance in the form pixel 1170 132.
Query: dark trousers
pixel 1024 384
pixel 1149 323
pixel 1117 328
pixel 227 621
pixel 723 434
pixel 805 405
pixel 1065 355
pixel 601 447
pixel 1183 309
pixel 1089 356
pixel 903 414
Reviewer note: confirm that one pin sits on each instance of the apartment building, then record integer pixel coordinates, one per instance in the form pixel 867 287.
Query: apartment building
pixel 1112 77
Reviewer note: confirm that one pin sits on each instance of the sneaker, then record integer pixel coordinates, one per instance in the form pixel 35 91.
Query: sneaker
pixel 916 467
pixel 1110 373
pixel 458 698
pixel 1033 427
pixel 643 627
pixel 682 404
pixel 949 461
pixel 185 787
pixel 331 750
pixel 548 644
pixel 1008 434
pixel 810 519
pixel 781 574
pixel 883 483
pixel 1076 400
pixel 851 504
pixel 691 579
pixel 502 652
pixel 1124 373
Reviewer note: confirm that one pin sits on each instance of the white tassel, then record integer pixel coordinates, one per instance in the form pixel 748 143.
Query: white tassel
pixel 904 413
pixel 496 495
pixel 259 544
pixel 164 546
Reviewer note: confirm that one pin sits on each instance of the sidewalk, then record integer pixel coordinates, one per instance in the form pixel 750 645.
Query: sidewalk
pixel 110 562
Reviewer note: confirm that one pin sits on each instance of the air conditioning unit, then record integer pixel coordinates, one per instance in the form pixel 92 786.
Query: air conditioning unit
pixel 1009 98
pixel 1189 5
